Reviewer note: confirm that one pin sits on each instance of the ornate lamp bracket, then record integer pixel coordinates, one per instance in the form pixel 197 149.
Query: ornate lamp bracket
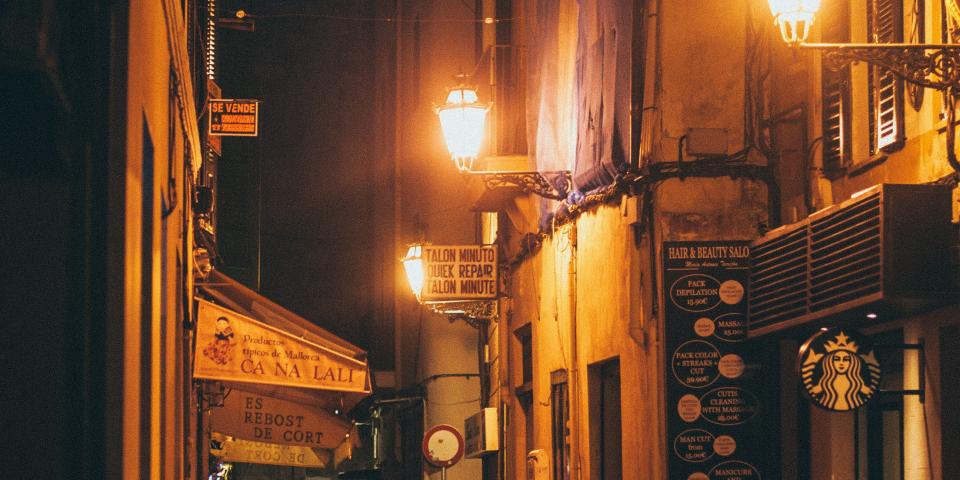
pixel 935 66
pixel 531 182
pixel 474 313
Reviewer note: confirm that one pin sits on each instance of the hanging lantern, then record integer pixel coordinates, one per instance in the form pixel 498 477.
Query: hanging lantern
pixel 794 17
pixel 413 264
pixel 462 119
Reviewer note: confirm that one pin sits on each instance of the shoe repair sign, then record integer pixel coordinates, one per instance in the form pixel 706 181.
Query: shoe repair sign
pixel 229 117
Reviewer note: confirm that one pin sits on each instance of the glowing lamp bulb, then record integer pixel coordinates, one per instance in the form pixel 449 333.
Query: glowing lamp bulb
pixel 413 265
pixel 462 119
pixel 794 18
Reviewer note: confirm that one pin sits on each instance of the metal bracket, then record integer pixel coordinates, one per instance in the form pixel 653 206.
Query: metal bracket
pixel 934 66
pixel 531 182
pixel 921 391
pixel 474 313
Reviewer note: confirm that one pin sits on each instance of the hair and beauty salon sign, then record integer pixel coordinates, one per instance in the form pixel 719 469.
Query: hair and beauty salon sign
pixel 233 347
pixel 712 411
pixel 459 272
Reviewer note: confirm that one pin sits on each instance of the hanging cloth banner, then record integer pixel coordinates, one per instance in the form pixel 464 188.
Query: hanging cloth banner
pixel 245 451
pixel 250 416
pixel 233 347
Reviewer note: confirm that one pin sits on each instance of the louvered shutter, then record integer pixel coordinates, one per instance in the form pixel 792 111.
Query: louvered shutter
pixel 886 90
pixel 836 90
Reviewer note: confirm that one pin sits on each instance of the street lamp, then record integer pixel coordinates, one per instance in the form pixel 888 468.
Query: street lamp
pixel 473 312
pixel 413 265
pixel 794 17
pixel 935 66
pixel 463 119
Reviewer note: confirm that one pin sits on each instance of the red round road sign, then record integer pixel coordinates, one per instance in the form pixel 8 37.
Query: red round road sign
pixel 443 446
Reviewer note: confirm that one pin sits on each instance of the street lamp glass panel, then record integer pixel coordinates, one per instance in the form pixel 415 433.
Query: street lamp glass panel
pixel 794 17
pixel 462 120
pixel 413 265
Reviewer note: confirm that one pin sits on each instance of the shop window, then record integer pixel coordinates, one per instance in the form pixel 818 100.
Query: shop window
pixel 560 424
pixel 863 445
pixel 835 87
pixel 878 428
pixel 885 18
pixel 949 392
pixel 605 427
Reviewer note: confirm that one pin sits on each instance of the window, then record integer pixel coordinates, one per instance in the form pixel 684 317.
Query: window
pixel 560 424
pixel 525 337
pixel 880 98
pixel 835 86
pixel 885 18
pixel 605 429
pixel 524 390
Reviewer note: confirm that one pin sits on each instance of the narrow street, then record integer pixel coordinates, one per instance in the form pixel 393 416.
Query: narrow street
pixel 480 239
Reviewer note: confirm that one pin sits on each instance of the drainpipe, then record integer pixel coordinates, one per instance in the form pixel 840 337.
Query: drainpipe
pixel 574 364
pixel 635 280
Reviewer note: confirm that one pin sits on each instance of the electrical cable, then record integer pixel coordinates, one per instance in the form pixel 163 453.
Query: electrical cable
pixel 385 19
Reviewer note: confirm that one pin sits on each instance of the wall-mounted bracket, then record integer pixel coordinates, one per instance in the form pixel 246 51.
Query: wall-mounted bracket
pixel 530 182
pixel 475 313
pixel 920 391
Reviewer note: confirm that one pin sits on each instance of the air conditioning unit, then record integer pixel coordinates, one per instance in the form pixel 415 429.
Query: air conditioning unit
pixel 885 252
pixel 481 433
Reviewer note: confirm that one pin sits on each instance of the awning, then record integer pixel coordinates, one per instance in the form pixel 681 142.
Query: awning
pixel 248 342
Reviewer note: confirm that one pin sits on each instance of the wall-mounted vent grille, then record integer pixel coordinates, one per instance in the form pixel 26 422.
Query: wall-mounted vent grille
pixel 887 249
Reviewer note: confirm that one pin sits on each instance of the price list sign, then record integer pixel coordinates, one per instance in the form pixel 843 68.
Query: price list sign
pixel 712 410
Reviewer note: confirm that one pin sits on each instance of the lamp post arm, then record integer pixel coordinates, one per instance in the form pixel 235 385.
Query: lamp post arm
pixel 531 182
pixel 931 65
pixel 935 66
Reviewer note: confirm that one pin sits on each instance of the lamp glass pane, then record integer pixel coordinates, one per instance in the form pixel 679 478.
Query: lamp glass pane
pixel 460 96
pixel 413 265
pixel 463 130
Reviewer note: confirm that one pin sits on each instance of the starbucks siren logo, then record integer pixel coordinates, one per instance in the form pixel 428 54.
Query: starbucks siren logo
pixel 839 370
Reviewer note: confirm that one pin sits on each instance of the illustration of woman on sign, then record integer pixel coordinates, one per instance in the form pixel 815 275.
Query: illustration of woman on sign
pixel 841 381
pixel 220 349
pixel 841 385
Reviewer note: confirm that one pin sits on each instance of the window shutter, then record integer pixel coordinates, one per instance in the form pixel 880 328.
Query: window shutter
pixel 886 90
pixel 835 87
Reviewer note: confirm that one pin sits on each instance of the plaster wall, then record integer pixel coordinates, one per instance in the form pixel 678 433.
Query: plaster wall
pixel 152 367
pixel 588 292
pixel 700 59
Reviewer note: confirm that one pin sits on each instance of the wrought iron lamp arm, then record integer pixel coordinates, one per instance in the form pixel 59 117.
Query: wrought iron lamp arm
pixel 935 66
pixel 531 182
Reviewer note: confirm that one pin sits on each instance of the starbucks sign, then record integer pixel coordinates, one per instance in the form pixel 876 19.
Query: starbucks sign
pixel 839 370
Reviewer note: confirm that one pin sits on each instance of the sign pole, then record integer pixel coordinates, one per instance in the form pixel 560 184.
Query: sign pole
pixel 443 473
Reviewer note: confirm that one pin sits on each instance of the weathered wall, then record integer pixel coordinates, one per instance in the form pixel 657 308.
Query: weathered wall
pixel 587 292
